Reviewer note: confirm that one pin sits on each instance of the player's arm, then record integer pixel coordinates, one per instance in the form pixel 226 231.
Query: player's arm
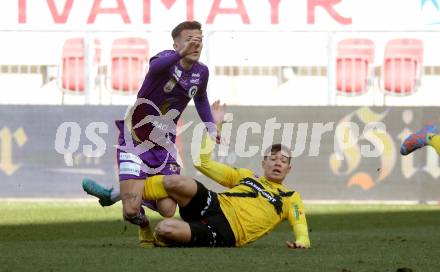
pixel 298 222
pixel 166 59
pixel 203 108
pixel 162 61
pixel 219 172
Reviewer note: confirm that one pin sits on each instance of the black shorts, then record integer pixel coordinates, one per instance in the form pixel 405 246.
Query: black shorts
pixel 209 226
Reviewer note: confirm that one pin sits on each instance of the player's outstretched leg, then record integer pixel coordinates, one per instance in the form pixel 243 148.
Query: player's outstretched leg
pixel 418 139
pixel 103 194
pixel 109 196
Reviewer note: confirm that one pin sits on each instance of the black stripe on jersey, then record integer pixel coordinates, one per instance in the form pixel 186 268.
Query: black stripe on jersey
pixel 273 199
pixel 286 194
pixel 237 194
pixel 257 188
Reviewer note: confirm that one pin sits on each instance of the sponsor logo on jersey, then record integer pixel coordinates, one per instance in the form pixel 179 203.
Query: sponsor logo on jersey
pixel 192 91
pixel 194 81
pixel 129 168
pixel 177 72
pixel 195 75
pixel 259 189
pixel 169 86
pixel 274 199
pixel 129 157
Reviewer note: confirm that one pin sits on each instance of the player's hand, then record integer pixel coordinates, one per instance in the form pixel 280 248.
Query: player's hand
pixel 218 113
pixel 191 46
pixel 294 245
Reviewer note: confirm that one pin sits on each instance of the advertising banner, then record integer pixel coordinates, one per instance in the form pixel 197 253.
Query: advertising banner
pixel 226 15
pixel 338 153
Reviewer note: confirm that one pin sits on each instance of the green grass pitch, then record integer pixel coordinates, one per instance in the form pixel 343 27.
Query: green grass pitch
pixel 82 236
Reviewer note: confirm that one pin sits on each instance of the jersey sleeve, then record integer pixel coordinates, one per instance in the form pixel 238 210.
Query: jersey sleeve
pixel 297 220
pixel 219 172
pixel 203 107
pixel 162 61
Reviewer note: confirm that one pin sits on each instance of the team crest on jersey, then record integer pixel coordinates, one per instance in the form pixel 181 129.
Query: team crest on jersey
pixel 169 86
pixel 177 72
pixel 297 213
pixel 192 91
pixel 174 168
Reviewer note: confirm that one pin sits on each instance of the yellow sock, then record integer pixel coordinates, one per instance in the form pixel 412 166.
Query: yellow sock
pixel 434 141
pixel 154 189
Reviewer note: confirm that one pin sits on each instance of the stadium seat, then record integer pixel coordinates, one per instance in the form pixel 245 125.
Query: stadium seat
pixel 354 66
pixel 73 75
pixel 402 67
pixel 128 64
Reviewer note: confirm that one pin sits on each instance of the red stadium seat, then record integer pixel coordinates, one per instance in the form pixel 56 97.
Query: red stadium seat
pixel 354 66
pixel 128 64
pixel 73 64
pixel 402 67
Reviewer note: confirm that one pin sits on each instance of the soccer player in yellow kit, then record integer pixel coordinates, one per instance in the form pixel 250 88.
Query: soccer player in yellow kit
pixel 252 207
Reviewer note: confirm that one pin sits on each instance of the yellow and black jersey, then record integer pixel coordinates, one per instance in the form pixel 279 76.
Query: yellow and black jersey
pixel 254 205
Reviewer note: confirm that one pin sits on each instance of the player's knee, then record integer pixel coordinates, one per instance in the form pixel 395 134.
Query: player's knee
pixel 166 227
pixel 167 207
pixel 168 212
pixel 174 183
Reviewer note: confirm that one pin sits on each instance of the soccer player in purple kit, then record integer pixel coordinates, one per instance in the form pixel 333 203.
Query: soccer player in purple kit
pixel 146 138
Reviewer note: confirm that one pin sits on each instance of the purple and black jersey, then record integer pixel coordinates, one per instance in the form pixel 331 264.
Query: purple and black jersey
pixel 164 95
